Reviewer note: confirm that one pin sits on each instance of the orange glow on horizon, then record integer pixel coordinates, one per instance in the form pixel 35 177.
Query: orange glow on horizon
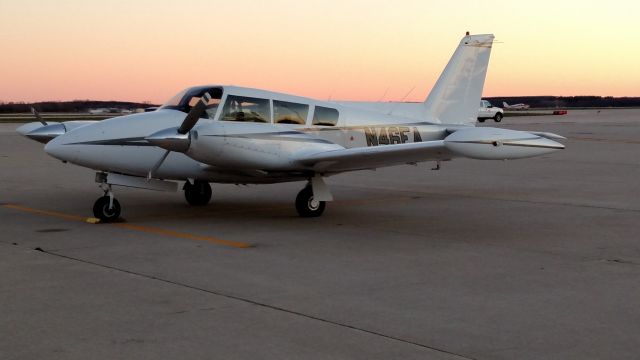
pixel 348 50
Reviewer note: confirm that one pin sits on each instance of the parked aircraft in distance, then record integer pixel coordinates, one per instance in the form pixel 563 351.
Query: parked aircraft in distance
pixel 230 134
pixel 109 111
pixel 515 106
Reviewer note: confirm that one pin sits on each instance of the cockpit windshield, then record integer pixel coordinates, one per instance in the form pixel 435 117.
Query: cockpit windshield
pixel 184 100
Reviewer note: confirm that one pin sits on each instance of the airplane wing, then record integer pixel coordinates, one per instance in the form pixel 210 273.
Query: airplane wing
pixel 476 143
pixel 376 156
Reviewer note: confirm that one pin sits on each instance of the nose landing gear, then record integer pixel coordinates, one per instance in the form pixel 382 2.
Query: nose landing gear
pixel 106 208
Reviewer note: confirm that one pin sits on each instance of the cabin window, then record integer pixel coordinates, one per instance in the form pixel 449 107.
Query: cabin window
pixel 249 109
pixel 289 113
pixel 325 116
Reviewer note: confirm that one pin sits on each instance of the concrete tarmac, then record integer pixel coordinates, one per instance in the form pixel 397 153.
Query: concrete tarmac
pixel 528 259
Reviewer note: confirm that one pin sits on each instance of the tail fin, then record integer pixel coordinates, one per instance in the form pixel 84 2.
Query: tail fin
pixel 455 98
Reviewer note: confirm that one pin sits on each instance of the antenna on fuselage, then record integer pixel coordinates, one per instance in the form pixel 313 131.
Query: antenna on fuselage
pixel 384 94
pixel 401 100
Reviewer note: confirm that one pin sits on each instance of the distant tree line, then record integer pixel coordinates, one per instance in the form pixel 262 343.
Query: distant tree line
pixel 69 106
pixel 567 101
pixel 82 106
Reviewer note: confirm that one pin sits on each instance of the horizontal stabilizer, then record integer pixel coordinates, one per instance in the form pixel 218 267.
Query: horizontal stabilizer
pixel 500 144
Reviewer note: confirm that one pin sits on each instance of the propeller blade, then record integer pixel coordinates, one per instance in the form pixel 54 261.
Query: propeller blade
pixel 157 165
pixel 177 140
pixel 196 111
pixel 37 115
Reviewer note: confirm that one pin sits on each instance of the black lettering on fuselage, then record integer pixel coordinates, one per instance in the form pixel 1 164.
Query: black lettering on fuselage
pixel 370 134
pixel 384 135
pixel 394 135
pixel 403 134
pixel 416 135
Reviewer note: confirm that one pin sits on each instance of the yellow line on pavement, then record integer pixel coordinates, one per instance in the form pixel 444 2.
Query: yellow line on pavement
pixel 44 212
pixel 145 229
pixel 159 231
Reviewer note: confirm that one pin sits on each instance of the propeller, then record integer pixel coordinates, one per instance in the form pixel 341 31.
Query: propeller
pixel 37 115
pixel 177 139
pixel 196 111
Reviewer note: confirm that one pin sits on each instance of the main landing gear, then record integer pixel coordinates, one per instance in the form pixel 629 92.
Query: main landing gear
pixel 311 200
pixel 307 205
pixel 198 193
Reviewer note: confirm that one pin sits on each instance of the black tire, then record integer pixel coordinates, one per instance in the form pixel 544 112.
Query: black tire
pixel 497 117
pixel 101 210
pixel 481 120
pixel 198 193
pixel 306 206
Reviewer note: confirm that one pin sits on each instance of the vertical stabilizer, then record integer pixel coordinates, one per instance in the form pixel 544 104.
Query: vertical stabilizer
pixel 455 98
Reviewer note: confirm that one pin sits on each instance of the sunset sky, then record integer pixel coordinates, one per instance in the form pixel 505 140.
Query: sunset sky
pixel 140 50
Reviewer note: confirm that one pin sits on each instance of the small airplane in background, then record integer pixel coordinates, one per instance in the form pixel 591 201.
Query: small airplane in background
pixel 514 106
pixel 228 134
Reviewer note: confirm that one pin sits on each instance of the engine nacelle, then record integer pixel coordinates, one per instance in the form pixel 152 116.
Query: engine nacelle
pixel 45 133
pixel 499 144
pixel 238 145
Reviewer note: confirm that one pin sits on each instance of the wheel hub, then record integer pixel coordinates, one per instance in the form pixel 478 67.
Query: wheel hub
pixel 109 212
pixel 314 204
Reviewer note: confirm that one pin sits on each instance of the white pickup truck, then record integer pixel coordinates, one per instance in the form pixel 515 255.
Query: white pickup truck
pixel 488 111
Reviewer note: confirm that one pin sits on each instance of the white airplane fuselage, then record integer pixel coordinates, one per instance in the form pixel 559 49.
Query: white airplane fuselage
pixel 231 151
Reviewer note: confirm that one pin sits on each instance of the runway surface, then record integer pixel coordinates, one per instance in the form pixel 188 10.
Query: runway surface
pixel 527 259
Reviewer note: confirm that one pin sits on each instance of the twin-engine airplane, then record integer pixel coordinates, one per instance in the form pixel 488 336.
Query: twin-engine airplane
pixel 228 134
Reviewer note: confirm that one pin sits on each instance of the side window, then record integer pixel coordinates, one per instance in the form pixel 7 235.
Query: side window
pixel 289 113
pixel 325 116
pixel 212 108
pixel 241 108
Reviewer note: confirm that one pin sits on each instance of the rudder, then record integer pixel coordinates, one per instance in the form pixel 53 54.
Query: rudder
pixel 456 96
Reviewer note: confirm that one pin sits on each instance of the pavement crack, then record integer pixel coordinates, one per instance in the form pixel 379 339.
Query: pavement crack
pixel 260 304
